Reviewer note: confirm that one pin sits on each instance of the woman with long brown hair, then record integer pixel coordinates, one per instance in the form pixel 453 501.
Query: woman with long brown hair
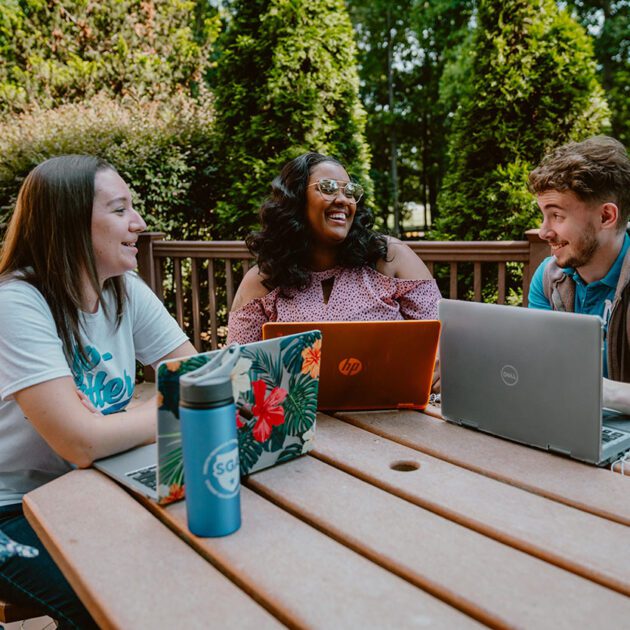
pixel 74 320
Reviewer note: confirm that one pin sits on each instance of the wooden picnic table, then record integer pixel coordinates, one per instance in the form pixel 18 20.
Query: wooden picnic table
pixel 396 519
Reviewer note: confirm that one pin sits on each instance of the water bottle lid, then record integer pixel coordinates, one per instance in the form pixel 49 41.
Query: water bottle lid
pixel 211 383
pixel 212 391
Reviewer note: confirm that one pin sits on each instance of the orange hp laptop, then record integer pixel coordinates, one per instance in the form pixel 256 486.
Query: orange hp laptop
pixel 371 365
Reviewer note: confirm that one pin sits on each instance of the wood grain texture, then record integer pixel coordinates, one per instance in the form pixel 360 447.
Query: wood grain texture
pixel 128 568
pixel 308 580
pixel 489 580
pixel 577 484
pixel 578 541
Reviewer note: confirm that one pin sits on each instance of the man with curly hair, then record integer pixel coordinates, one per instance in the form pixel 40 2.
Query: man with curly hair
pixel 583 191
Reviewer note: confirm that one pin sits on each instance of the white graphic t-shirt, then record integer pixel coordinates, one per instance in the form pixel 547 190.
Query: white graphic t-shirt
pixel 31 352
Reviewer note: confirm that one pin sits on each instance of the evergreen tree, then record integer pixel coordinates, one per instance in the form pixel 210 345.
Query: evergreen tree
pixel 532 86
pixel 609 22
pixel 286 83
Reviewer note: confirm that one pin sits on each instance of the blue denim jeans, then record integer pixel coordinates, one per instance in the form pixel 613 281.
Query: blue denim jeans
pixel 38 581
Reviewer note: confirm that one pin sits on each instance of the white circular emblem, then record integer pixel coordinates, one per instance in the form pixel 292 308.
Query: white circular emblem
pixel 221 470
pixel 509 375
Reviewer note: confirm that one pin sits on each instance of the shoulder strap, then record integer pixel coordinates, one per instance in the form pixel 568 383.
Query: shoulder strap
pixel 556 286
pixel 624 276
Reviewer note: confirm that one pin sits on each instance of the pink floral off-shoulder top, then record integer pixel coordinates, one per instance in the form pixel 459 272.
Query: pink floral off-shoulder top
pixel 358 294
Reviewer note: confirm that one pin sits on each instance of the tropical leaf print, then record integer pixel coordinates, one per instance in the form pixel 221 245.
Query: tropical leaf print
pixel 168 379
pixel 276 440
pixel 172 467
pixel 249 450
pixel 300 405
pixel 291 451
pixel 292 348
pixel 264 366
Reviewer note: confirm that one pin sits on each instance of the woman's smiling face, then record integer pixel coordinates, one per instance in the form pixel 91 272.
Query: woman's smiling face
pixel 115 226
pixel 329 218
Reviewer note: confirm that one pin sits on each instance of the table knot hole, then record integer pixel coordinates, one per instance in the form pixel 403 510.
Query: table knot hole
pixel 405 465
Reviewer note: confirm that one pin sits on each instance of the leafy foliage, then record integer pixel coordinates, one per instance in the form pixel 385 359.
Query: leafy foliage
pixel 163 150
pixel 299 406
pixel 408 44
pixel 533 85
pixel 609 22
pixel 172 463
pixel 59 52
pixel 249 451
pixel 264 366
pixel 291 451
pixel 293 347
pixel 286 83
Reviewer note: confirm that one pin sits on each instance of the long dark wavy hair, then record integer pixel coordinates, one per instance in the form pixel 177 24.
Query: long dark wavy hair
pixel 49 241
pixel 283 246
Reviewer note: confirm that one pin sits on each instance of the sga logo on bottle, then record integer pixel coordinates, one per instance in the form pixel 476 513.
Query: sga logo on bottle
pixel 221 470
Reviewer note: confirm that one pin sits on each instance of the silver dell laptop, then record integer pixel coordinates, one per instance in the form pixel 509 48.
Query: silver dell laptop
pixel 531 376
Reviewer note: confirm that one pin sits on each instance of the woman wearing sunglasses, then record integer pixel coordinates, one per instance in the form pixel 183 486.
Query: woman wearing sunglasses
pixel 319 260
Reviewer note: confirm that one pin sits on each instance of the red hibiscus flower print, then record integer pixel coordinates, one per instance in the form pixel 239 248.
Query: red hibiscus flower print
pixel 268 412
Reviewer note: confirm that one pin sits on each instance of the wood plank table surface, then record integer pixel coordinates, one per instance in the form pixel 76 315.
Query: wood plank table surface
pixel 396 519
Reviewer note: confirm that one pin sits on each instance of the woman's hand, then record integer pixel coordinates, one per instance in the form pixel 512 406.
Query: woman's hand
pixel 436 383
pixel 87 403
pixel 616 395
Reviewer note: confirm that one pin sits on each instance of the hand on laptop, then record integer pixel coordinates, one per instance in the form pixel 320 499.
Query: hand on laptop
pixel 435 383
pixel 616 395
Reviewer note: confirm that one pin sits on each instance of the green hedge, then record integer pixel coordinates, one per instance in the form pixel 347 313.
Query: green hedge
pixel 162 150
pixel 61 52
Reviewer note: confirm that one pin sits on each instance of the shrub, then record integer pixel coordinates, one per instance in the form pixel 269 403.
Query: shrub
pixel 59 52
pixel 163 151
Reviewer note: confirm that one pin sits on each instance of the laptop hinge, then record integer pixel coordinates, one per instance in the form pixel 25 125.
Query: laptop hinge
pixel 470 425
pixel 557 449
pixel 410 406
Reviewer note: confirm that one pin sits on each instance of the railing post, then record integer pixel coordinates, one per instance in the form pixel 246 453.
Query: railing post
pixel 146 266
pixel 146 270
pixel 538 251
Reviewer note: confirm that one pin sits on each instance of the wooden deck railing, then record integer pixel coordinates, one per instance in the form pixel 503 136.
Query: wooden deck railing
pixel 197 279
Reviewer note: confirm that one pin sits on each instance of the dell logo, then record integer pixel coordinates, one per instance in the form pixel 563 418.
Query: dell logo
pixel 350 366
pixel 509 375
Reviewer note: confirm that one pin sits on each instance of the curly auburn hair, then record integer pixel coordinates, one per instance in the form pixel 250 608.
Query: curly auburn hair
pixel 596 169
pixel 282 247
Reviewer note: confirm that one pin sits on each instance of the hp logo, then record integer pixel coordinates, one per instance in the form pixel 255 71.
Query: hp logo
pixel 350 366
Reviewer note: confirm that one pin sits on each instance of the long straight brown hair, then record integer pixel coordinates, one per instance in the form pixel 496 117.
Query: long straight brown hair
pixel 48 242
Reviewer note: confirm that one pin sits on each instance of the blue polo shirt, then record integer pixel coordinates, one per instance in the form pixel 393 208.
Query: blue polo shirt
pixel 594 298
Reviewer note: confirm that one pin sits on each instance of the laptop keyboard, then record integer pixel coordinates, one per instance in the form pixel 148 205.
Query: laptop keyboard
pixel 610 435
pixel 146 476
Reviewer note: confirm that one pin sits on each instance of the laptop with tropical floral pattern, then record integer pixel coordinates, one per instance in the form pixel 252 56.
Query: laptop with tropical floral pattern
pixel 275 385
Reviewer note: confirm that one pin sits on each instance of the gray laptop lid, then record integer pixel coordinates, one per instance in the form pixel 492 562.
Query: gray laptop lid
pixel 528 375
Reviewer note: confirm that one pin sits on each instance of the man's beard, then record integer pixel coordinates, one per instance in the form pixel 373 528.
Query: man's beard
pixel 583 250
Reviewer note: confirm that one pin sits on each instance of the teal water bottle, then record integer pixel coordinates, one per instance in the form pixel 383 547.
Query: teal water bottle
pixel 210 447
